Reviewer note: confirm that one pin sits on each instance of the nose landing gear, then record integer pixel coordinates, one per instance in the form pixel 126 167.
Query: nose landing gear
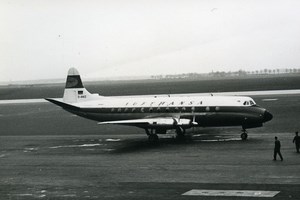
pixel 244 134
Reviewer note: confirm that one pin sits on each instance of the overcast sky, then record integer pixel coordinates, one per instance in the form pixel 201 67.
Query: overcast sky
pixel 41 39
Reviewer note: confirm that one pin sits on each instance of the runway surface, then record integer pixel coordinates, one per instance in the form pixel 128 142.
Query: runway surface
pixel 47 153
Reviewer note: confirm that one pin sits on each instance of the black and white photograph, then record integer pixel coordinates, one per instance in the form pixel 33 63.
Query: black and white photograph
pixel 135 99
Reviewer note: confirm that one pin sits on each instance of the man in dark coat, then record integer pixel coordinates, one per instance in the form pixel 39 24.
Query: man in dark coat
pixel 277 149
pixel 296 140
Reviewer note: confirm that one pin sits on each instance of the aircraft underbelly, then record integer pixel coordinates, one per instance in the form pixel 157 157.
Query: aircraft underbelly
pixel 227 119
pixel 100 117
pixel 202 119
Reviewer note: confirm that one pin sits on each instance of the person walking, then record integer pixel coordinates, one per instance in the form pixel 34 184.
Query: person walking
pixel 296 140
pixel 277 149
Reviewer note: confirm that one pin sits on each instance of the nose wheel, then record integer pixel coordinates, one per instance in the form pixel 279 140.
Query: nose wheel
pixel 244 135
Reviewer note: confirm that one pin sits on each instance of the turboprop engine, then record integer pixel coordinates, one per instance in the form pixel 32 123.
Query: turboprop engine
pixel 170 123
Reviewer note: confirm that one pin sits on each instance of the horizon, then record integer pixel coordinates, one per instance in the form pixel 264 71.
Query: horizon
pixel 212 75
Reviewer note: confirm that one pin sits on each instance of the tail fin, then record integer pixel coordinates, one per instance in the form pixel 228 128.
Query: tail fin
pixel 73 79
pixel 74 89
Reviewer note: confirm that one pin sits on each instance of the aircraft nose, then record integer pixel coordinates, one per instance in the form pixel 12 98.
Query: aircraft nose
pixel 267 116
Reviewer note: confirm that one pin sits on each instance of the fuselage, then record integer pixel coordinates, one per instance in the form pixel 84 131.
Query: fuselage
pixel 202 111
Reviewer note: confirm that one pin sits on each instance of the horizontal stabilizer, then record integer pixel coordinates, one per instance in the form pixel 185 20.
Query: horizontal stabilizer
pixel 62 104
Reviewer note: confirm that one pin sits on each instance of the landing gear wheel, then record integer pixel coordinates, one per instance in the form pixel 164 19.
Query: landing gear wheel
pixel 153 139
pixel 180 137
pixel 180 134
pixel 244 135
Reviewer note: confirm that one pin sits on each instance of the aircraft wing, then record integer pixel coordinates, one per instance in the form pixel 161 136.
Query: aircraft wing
pixel 160 121
pixel 132 122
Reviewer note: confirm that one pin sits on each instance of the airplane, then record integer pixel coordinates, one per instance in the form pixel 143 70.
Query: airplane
pixel 157 114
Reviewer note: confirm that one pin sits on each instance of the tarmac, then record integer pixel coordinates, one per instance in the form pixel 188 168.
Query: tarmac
pixel 47 153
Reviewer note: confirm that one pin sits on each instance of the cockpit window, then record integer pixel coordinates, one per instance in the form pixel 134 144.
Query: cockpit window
pixel 247 103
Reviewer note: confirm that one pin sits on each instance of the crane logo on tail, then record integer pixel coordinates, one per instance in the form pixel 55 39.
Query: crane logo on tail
pixel 74 82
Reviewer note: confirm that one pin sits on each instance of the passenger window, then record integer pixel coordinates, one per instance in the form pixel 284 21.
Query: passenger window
pixel 252 103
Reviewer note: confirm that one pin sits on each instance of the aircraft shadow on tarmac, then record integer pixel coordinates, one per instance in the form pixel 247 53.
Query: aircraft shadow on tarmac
pixel 123 144
pixel 168 141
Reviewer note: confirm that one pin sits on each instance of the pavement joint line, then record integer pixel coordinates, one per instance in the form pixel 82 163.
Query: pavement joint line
pixel 231 193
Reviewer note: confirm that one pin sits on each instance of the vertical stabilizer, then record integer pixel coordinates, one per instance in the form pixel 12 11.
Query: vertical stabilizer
pixel 73 79
pixel 74 89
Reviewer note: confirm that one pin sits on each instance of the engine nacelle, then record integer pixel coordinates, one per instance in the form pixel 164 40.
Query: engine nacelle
pixel 167 123
pixel 170 123
pixel 184 123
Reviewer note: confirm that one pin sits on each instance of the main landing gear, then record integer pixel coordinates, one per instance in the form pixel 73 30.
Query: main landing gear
pixel 180 134
pixel 152 137
pixel 244 134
